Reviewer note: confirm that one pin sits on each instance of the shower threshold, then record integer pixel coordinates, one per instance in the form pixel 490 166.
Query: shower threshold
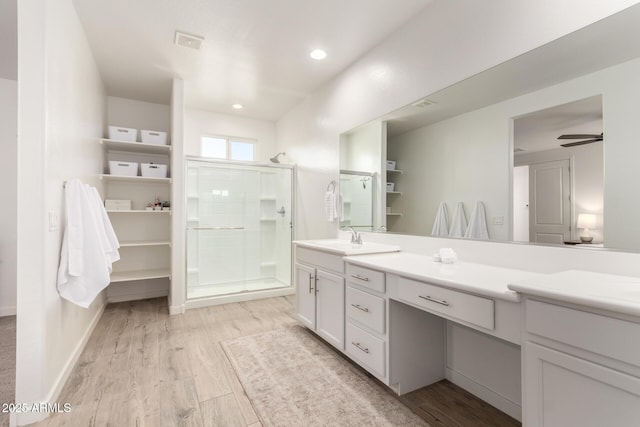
pixel 232 288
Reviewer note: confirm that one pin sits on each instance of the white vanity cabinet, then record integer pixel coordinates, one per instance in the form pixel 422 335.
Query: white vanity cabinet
pixel 581 367
pixel 320 294
pixel 366 320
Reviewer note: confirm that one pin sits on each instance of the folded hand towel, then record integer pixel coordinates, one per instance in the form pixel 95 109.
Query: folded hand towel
pixel 459 222
pixel 330 206
pixel 477 228
pixel 441 224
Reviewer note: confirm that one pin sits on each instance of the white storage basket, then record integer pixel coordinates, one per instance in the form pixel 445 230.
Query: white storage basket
pixel 152 170
pixel 153 137
pixel 391 186
pixel 119 133
pixel 123 168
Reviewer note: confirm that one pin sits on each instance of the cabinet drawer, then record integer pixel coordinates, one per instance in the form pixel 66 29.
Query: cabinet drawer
pixel 365 277
pixel 598 334
pixel 366 349
pixel 320 259
pixel 366 308
pixel 458 305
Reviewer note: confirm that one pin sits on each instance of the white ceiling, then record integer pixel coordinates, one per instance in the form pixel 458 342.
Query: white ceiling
pixel 255 51
pixel 8 39
pixel 540 130
pixel 610 41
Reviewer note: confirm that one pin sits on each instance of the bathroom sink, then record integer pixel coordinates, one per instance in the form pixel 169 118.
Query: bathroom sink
pixel 345 247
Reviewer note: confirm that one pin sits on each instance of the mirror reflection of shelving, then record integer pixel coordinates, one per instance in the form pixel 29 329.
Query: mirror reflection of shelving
pixel 392 194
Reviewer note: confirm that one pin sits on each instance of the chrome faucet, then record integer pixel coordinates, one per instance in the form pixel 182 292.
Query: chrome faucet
pixel 356 238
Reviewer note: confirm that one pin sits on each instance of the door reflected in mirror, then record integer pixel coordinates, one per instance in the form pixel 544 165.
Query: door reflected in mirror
pixel 558 172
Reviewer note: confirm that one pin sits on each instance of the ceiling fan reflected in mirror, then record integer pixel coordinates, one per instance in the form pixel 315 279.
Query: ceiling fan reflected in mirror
pixel 587 138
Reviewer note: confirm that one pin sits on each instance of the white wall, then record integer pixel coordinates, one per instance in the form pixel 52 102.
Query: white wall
pixel 462 159
pixel 138 114
pixel 443 45
pixel 199 122
pixel 8 194
pixel 62 114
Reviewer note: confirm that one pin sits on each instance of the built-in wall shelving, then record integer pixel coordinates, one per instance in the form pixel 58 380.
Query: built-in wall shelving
pixel 127 276
pixel 135 179
pixel 144 234
pixel 135 147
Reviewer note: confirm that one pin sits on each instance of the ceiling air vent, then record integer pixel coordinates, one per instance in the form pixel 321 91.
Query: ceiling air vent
pixel 188 40
pixel 423 103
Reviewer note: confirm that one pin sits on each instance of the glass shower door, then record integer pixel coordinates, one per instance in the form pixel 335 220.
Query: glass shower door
pixel 237 241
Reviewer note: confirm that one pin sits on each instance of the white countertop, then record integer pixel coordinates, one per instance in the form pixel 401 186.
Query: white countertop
pixel 604 291
pixel 345 247
pixel 479 279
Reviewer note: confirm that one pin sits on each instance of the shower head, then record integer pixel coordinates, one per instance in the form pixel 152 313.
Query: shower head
pixel 274 159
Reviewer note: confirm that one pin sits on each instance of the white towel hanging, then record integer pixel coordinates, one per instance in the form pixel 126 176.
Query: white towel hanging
pixel 89 246
pixel 459 222
pixel 441 224
pixel 477 228
pixel 330 210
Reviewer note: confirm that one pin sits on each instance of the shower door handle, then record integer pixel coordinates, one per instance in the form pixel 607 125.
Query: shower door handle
pixel 216 228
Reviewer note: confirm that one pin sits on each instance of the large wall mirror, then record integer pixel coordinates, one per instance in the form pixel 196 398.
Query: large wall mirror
pixel 548 142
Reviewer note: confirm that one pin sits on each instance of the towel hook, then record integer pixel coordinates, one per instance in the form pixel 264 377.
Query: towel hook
pixel 332 186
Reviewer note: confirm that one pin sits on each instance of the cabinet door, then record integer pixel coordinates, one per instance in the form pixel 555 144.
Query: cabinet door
pixel 563 390
pixel 305 295
pixel 330 306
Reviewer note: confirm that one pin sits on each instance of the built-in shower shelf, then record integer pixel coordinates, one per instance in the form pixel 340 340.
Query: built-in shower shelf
pixel 126 276
pixel 394 192
pixel 193 197
pixel 138 243
pixel 267 199
pixel 268 264
pixel 394 214
pixel 267 219
pixel 145 179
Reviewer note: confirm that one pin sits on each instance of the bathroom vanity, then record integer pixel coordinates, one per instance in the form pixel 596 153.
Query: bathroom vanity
pixel 390 312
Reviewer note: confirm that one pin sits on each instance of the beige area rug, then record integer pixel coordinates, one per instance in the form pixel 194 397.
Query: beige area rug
pixel 294 379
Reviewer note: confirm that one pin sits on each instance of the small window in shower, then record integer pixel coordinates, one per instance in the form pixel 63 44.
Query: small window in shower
pixel 220 147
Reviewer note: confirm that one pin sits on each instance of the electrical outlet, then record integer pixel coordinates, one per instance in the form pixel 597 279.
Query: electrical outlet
pixel 498 220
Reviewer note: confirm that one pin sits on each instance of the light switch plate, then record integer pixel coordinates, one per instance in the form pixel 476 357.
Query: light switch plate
pixel 53 221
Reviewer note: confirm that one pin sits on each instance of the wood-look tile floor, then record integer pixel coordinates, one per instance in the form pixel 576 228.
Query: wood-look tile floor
pixel 142 367
pixel 7 364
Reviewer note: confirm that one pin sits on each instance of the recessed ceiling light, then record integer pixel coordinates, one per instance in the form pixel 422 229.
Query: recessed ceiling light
pixel 237 106
pixel 318 54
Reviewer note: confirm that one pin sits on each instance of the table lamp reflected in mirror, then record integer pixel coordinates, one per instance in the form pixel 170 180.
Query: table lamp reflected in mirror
pixel 586 222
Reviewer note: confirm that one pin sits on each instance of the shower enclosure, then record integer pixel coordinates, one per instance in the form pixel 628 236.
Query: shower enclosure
pixel 239 228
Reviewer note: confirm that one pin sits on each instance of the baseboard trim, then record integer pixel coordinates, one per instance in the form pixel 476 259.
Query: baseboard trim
pixel 491 397
pixel 56 388
pixel 8 311
pixel 245 296
pixel 176 309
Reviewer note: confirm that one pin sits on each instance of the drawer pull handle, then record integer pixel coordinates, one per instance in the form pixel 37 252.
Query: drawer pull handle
pixel 316 282
pixel 437 301
pixel 310 287
pixel 359 307
pixel 357 276
pixel 357 344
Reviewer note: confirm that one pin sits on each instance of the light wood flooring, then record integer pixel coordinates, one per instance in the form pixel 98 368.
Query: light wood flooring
pixel 143 367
